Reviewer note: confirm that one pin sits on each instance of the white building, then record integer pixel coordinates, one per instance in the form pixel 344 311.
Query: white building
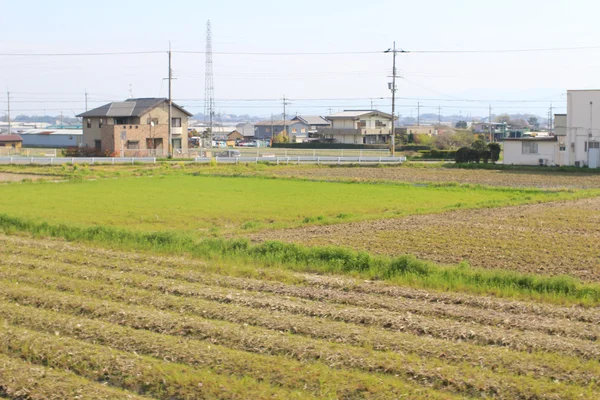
pixel 582 145
pixel 531 151
pixel 576 139
pixel 358 127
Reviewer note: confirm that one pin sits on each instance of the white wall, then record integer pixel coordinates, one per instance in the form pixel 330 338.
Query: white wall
pixel 583 123
pixel 513 153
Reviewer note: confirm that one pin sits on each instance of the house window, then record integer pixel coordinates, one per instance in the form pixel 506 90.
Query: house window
pixel 177 143
pixel 98 144
pixel 133 144
pixel 562 148
pixel 121 121
pixel 89 123
pixel 268 130
pixel 152 121
pixel 100 123
pixel 303 130
pixel 379 124
pixel 593 145
pixel 294 130
pixel 176 122
pixel 530 148
pixel 362 124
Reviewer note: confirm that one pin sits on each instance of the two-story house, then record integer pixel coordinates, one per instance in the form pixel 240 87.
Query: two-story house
pixel 359 127
pixel 136 127
pixel 297 131
pixel 314 122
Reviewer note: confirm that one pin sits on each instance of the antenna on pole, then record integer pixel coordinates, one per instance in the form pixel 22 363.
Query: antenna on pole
pixel 86 100
pixel 209 86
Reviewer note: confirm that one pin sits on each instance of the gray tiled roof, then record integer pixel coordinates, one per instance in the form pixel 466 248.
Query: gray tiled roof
pixel 357 114
pixel 313 119
pixel 128 108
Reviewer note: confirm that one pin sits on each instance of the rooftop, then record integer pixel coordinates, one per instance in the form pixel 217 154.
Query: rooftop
pixel 10 138
pixel 128 108
pixel 358 114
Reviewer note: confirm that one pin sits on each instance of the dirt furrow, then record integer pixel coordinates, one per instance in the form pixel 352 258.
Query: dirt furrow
pixel 347 307
pixel 472 379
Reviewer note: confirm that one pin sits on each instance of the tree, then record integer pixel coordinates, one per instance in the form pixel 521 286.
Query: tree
pixel 503 118
pixel 533 121
pixel 461 125
pixel 410 138
pixel 494 149
pixel 479 145
pixel 281 137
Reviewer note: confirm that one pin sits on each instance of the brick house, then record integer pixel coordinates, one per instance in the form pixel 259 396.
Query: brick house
pixel 136 127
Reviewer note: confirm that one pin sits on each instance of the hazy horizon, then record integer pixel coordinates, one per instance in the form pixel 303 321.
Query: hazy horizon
pixel 512 82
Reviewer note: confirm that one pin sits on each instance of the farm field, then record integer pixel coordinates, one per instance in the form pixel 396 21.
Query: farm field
pixel 205 205
pixel 550 239
pixel 110 324
pixel 126 282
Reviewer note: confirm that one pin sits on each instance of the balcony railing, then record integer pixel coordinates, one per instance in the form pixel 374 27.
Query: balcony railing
pixel 361 131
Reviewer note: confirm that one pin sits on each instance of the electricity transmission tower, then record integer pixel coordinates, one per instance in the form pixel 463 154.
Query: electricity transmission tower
pixel 209 87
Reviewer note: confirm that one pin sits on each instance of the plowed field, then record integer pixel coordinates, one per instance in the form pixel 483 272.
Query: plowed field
pixel 81 322
pixel 552 238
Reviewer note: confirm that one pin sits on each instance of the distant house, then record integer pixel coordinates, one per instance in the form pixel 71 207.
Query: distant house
pixel 359 127
pixel 314 122
pixel 13 141
pixel 499 129
pixel 235 136
pixel 297 130
pixel 136 126
pixel 540 150
pixel 246 129
pixel 52 138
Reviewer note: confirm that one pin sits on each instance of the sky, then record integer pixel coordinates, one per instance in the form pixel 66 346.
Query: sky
pixel 248 81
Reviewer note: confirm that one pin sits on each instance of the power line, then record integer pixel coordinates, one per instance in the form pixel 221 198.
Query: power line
pixel 503 50
pixel 113 53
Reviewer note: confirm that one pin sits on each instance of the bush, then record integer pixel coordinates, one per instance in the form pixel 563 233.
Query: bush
pixel 494 151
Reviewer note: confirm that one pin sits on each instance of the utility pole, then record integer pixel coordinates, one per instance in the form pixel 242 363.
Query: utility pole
pixel 418 113
pixel 170 106
pixel 272 132
pixel 209 85
pixel 439 115
pixel 285 103
pixel 490 124
pixel 551 121
pixel 86 100
pixel 8 112
pixel 393 89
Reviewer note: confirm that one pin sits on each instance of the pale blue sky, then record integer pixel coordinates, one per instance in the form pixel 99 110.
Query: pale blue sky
pixel 306 26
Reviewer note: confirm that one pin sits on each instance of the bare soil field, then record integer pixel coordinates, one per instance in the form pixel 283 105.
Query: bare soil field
pixel 552 238
pixel 82 319
pixel 10 177
pixel 525 179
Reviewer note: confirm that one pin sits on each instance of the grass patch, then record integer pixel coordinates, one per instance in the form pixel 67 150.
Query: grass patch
pixel 401 270
pixel 234 204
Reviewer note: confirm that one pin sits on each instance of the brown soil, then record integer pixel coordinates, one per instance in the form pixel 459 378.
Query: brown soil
pixel 445 175
pixel 551 238
pixel 9 177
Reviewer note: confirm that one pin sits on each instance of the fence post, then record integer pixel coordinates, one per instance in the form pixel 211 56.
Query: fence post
pixel 132 160
pixel 113 160
pixel 10 162
pixel 318 160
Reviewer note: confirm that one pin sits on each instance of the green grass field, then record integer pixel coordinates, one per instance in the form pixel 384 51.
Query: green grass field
pixel 224 205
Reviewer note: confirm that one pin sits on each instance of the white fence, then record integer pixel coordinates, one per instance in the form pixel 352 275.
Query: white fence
pixel 75 160
pixel 304 160
pixel 220 160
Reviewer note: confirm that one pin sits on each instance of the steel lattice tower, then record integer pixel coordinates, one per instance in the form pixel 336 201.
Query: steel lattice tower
pixel 209 87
